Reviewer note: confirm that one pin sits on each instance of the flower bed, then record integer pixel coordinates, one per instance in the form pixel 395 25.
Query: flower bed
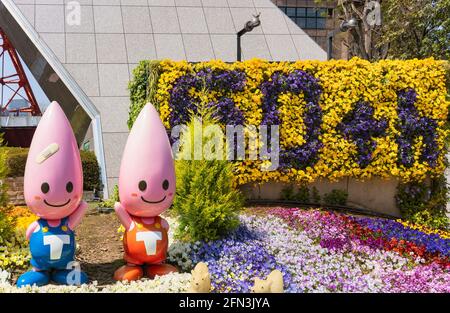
pixel 317 251
pixel 323 252
pixel 172 283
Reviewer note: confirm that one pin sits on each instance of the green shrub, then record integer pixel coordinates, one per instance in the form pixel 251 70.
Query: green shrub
pixel 206 201
pixel 6 224
pixel 302 195
pixel 336 197
pixel 143 88
pixel 288 193
pixel 3 174
pixel 109 203
pixel 315 196
pixel 14 253
pixel 424 204
pixel 91 171
pixel 17 158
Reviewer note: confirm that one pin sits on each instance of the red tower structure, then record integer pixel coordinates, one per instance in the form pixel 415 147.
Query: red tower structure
pixel 16 82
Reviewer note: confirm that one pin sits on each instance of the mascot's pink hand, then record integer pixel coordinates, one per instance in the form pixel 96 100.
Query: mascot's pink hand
pixel 76 217
pixel 31 229
pixel 123 215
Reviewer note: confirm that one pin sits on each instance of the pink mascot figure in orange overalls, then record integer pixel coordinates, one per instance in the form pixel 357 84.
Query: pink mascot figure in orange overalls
pixel 146 189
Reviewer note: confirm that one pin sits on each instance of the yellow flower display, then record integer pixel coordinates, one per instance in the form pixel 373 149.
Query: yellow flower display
pixel 344 85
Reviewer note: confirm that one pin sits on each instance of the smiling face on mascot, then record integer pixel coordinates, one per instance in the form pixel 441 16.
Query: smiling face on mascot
pixel 146 189
pixel 53 189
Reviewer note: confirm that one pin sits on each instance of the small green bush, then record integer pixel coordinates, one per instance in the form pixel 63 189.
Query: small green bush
pixel 16 160
pixel 336 197
pixel 424 204
pixel 288 193
pixel 206 201
pixel 14 254
pixel 7 224
pixel 315 196
pixel 302 195
pixel 109 203
pixel 91 171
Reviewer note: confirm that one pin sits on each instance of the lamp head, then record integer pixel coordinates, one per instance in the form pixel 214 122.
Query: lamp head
pixel 255 22
pixel 346 25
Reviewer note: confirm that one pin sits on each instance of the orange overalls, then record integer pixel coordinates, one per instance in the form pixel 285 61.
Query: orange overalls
pixel 146 243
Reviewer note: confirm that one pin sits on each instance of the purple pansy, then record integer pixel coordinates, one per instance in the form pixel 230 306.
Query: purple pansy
pixel 411 126
pixel 361 127
pixel 298 82
pixel 225 83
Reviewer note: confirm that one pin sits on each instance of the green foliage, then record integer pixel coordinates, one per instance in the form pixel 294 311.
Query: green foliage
pixel 16 159
pixel 303 194
pixel 336 197
pixel 143 88
pixel 315 196
pixel 424 204
pixel 416 28
pixel 14 253
pixel 109 203
pixel 3 174
pixel 410 29
pixel 91 171
pixel 288 193
pixel 7 225
pixel 206 201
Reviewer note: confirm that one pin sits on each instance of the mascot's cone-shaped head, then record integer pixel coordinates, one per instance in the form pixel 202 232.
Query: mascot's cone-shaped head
pixel 53 174
pixel 147 173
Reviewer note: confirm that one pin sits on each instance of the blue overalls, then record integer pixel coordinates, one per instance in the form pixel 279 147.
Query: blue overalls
pixel 52 250
pixel 52 247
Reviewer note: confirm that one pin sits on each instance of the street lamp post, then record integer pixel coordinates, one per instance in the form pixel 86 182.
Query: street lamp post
pixel 249 26
pixel 345 26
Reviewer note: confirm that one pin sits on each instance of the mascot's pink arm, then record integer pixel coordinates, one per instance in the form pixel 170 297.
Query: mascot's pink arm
pixel 31 229
pixel 75 217
pixel 123 215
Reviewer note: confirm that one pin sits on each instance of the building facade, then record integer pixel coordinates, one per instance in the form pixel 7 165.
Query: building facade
pixel 82 53
pixel 317 20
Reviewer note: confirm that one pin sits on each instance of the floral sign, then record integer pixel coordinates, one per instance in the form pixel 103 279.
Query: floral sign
pixel 336 119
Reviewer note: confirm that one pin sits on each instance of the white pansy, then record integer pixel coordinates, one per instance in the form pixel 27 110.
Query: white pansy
pixel 171 283
pixel 4 277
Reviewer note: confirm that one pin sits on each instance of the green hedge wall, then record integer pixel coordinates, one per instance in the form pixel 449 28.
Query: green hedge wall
pixel 17 158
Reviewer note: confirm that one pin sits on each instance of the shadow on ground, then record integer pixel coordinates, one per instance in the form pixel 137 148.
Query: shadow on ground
pixel 102 272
